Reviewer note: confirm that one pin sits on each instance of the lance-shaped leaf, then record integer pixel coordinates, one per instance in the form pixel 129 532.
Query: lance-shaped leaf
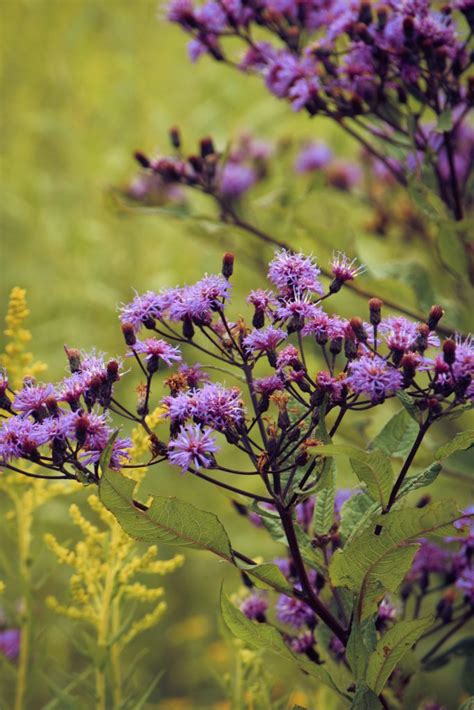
pixel 397 436
pixel 166 520
pixel 266 637
pixel 365 699
pixel 371 565
pixel 359 646
pixel 268 575
pixel 462 441
pixel 373 468
pixel 391 648
pixel 420 480
pixel 355 515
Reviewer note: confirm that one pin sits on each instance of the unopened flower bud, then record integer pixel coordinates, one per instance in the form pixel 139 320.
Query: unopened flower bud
pixel 408 26
pixel 141 159
pixel 408 364
pixel 335 346
pixel 129 334
pixel 228 265
pixel 175 137
pixel 301 458
pixel 206 147
pixel 157 447
pixel 422 338
pixel 284 420
pixel 74 358
pixel 188 328
pixel 113 371
pixel 434 316
pixel 258 320
pixel 375 308
pixel 449 351
pixel 365 13
pixel 358 328
pixel 52 406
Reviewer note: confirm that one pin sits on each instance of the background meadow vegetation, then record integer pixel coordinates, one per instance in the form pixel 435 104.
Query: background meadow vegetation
pixel 85 83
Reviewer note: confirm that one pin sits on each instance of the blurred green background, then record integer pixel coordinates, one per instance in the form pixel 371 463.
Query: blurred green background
pixel 84 84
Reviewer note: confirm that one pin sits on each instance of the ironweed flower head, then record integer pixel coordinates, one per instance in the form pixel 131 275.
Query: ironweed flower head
pixel 193 446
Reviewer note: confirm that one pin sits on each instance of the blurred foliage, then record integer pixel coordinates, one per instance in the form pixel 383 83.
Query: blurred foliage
pixel 84 83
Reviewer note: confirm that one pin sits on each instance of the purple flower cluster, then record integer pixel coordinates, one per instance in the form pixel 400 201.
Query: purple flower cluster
pixel 345 59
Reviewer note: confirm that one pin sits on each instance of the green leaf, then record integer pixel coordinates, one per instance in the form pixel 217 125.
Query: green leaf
pixel 451 249
pixel 355 513
pixel 370 565
pixel 445 121
pixel 357 653
pixel 391 648
pixel 373 468
pixel 467 704
pixel 268 575
pixel 462 441
pixel 397 436
pixel 168 520
pixel 314 558
pixel 266 637
pixel 324 507
pixel 409 404
pixel 420 480
pixel 365 699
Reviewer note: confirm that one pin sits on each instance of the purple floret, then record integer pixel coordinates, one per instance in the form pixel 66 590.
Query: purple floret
pixel 10 641
pixel 294 273
pixel 374 377
pixel 293 612
pixel 255 607
pixel 193 446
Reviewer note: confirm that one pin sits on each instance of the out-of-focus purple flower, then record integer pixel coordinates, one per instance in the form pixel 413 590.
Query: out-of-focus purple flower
pixel 374 377
pixel 463 365
pixel 284 565
pixel 331 385
pixel 343 269
pixel 314 156
pixel 302 643
pixel 465 583
pixel 193 446
pixel 264 340
pixel 261 300
pixel 32 397
pixel 337 648
pixel 255 607
pixel 294 273
pixel 19 437
pixel 429 558
pixel 293 612
pixel 154 348
pixel 10 640
pixel 343 495
pixel 386 612
pixel 343 175
pixel 235 179
pixel 304 513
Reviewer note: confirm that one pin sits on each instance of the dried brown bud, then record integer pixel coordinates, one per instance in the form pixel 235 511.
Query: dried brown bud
pixel 375 308
pixel 434 316
pixel 74 357
pixel 358 328
pixel 206 147
pixel 449 351
pixel 141 159
pixel 129 334
pixel 228 265
pixel 175 137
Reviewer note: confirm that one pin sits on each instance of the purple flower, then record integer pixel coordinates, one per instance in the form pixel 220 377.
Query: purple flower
pixel 429 558
pixel 463 365
pixel 261 300
pixel 71 389
pixel 343 175
pixel 32 397
pixel 314 156
pixel 343 495
pixel 304 513
pixel 255 607
pixel 374 377
pixel 193 446
pixel 199 301
pixel 10 640
pixel 235 179
pixel 401 334
pixel 302 643
pixel 337 647
pixel 293 612
pixel 143 310
pixel 331 385
pixel 219 407
pixel 194 374
pixel 294 273
pixel 299 307
pixel 268 385
pixel 264 340
pixel 19 437
pixel 385 613
pixel 288 357
pixel 181 406
pixel 465 583
pixel 343 269
pixel 158 349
